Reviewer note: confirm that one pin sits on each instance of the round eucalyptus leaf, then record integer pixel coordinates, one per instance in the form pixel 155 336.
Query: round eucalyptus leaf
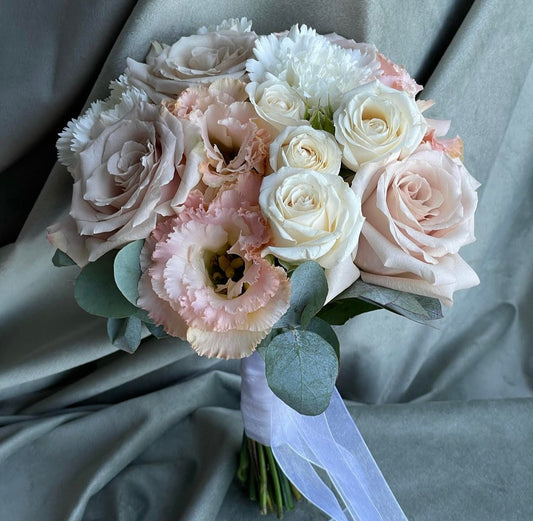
pixel 301 369
pixel 127 270
pixel 96 292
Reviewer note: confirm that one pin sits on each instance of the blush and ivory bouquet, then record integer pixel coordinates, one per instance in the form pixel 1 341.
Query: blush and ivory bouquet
pixel 245 193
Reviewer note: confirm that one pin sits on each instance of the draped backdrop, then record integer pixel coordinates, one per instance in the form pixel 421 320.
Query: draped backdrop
pixel 90 433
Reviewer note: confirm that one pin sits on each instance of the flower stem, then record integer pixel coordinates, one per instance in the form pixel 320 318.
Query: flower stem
pixel 262 477
pixel 244 463
pixel 285 489
pixel 275 482
pixel 263 484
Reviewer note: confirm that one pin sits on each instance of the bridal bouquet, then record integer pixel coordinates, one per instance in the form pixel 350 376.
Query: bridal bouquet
pixel 246 193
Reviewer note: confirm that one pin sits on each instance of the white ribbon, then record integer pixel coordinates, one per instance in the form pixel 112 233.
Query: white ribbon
pixel 330 441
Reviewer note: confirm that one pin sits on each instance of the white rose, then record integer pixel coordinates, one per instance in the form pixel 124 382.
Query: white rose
pixel 376 123
pixel 306 147
pixel 200 58
pixel 277 103
pixel 312 216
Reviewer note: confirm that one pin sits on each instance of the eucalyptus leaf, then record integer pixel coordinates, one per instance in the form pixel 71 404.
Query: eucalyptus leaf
pixel 338 312
pixel 301 369
pixel 141 314
pixel 96 292
pixel 61 259
pixel 127 270
pixel 125 333
pixel 322 328
pixel 157 331
pixel 415 307
pixel 309 289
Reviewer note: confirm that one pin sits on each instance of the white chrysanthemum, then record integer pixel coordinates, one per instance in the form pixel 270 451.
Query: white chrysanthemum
pixel 241 25
pixel 318 69
pixel 75 136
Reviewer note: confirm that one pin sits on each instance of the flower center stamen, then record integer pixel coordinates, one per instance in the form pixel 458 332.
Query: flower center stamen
pixel 225 267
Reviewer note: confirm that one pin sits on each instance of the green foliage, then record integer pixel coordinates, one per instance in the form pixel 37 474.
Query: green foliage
pixel 301 369
pixel 127 270
pixel 97 293
pixel 125 333
pixel 302 351
pixel 309 289
pixel 61 259
pixel 362 297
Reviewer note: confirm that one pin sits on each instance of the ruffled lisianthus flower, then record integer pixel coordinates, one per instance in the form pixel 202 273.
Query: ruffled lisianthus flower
pixel 200 58
pixel 233 140
pixel 196 100
pixel 131 165
pixel 320 71
pixel 208 282
pixel 397 77
pixel 306 147
pixel 376 123
pixel 277 103
pixel 418 213
pixel 313 216
pixel 434 138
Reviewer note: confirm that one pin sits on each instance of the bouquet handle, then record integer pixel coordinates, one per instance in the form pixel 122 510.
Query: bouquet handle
pixel 329 443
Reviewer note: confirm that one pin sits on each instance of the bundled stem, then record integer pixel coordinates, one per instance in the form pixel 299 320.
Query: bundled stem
pixel 260 474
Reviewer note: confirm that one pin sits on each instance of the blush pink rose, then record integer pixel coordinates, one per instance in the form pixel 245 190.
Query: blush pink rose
pixel 418 213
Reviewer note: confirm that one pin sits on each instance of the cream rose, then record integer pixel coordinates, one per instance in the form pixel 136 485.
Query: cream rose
pixel 200 58
pixel 306 147
pixel 375 123
pixel 277 103
pixel 131 171
pixel 312 216
pixel 418 213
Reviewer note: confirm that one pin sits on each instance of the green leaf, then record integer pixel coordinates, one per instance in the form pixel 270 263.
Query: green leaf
pixel 322 328
pixel 347 174
pixel 415 307
pixel 127 270
pixel 309 289
pixel 61 259
pixel 301 369
pixel 157 331
pixel 97 293
pixel 125 333
pixel 338 312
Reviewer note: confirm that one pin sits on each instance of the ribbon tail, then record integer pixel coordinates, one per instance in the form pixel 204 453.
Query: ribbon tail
pixel 332 442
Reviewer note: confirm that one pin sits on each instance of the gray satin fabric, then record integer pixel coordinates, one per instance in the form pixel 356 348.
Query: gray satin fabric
pixel 91 434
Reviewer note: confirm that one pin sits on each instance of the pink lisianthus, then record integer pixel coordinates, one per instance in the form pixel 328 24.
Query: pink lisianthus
pixel 234 141
pixel 207 282
pixel 437 128
pixel 397 77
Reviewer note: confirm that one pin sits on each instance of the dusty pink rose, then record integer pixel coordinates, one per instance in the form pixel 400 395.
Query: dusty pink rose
pixel 132 171
pixel 419 212
pixel 219 52
pixel 207 281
